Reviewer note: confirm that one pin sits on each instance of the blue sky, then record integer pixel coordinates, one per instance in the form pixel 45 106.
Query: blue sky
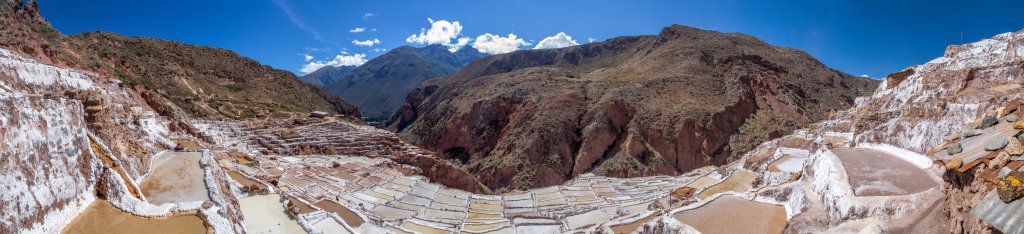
pixel 858 37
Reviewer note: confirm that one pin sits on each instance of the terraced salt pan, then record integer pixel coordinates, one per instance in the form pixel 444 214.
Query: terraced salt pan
pixel 626 228
pixel 731 214
pixel 740 181
pixel 266 214
pixel 878 173
pixel 103 217
pixel 331 226
pixel 792 160
pixel 349 217
pixel 177 178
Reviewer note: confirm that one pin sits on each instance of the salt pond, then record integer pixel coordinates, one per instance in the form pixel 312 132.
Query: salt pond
pixel 877 173
pixel 176 178
pixel 731 214
pixel 266 214
pixel 103 217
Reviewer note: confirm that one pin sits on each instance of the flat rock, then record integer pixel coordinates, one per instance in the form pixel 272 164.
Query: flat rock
pixel 954 148
pixel 996 144
pixel 1011 118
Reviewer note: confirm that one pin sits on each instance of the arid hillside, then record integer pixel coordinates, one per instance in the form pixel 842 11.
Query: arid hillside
pixel 198 80
pixel 628 106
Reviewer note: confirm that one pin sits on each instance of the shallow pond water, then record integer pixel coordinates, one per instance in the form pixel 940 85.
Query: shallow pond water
pixel 103 217
pixel 731 214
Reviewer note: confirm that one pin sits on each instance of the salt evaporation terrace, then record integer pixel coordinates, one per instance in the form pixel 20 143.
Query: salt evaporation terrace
pixel 102 217
pixel 731 214
pixel 176 178
pixel 878 173
pixel 266 214
pixel 371 193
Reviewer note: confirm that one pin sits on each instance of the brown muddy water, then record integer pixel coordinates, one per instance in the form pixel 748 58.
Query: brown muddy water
pixel 877 173
pixel 631 226
pixel 731 214
pixel 103 217
pixel 350 218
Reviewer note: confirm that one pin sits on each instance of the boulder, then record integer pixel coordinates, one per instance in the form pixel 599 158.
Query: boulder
pixel 988 121
pixel 1011 118
pixel 1020 135
pixel 1013 147
pixel 1019 124
pixel 954 148
pixel 1011 187
pixel 996 144
pixel 954 164
pixel 1000 111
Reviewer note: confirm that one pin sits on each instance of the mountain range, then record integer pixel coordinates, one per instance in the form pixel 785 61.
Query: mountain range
pixel 378 87
pixel 628 106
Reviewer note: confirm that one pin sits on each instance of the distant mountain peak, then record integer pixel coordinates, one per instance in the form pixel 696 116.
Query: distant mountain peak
pixel 379 86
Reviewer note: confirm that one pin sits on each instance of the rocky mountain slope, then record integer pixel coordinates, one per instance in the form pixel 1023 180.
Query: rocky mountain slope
pixel 197 80
pixel 379 86
pixel 326 75
pixel 629 106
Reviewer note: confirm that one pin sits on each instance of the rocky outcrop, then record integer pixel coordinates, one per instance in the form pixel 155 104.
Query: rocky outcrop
pixel 629 106
pixel 920 106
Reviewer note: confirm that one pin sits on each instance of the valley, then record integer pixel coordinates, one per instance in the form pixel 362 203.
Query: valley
pixel 684 131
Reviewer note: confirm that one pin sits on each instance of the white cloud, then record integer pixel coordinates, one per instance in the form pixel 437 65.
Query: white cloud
pixel 865 75
pixel 494 44
pixel 441 32
pixel 307 57
pixel 366 42
pixel 557 41
pixel 590 40
pixel 378 50
pixel 340 60
pixel 357 30
pixel 367 15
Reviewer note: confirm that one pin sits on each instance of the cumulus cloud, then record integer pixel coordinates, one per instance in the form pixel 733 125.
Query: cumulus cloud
pixel 367 15
pixel 340 60
pixel 590 40
pixel 378 50
pixel 307 57
pixel 495 44
pixel 441 32
pixel 865 75
pixel 557 41
pixel 357 30
pixel 366 42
